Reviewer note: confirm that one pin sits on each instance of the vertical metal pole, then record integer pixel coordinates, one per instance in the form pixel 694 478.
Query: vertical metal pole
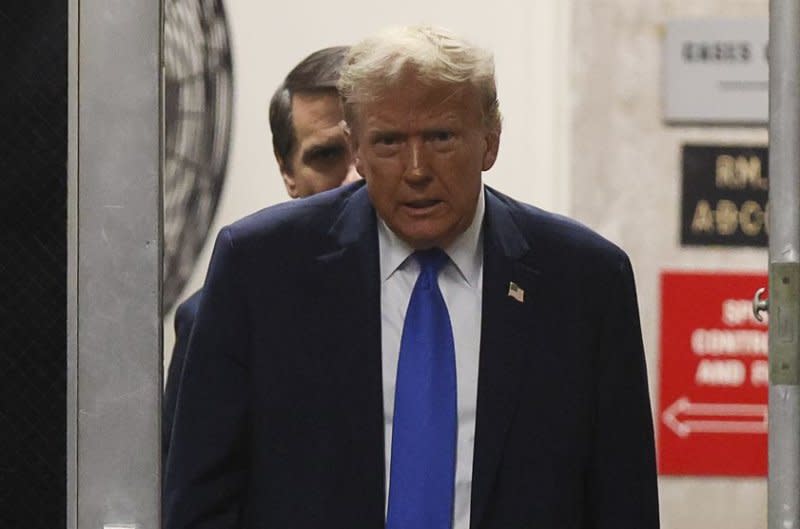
pixel 72 264
pixel 784 265
pixel 114 265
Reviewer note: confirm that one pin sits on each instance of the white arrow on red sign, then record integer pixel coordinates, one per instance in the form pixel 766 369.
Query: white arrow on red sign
pixel 685 417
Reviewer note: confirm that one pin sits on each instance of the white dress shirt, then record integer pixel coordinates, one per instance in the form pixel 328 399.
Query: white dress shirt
pixel 461 283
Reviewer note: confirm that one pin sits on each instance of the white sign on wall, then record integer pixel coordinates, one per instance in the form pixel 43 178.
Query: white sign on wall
pixel 715 71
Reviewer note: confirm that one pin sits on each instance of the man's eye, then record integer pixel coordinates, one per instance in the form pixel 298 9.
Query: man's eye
pixel 324 154
pixel 441 136
pixel 329 153
pixel 386 140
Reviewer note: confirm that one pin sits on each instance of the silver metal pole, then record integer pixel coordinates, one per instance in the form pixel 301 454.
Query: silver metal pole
pixel 114 265
pixel 784 265
pixel 72 264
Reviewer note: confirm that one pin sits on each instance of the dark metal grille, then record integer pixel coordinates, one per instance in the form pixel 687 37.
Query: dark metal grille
pixel 198 109
pixel 33 197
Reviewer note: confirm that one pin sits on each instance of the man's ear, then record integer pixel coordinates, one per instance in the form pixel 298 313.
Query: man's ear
pixel 348 135
pixel 492 139
pixel 352 142
pixel 358 165
pixel 288 178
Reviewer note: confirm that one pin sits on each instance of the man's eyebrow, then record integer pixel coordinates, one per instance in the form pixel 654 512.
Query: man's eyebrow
pixel 380 133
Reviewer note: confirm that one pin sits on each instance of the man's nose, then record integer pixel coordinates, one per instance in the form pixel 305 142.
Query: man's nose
pixel 417 167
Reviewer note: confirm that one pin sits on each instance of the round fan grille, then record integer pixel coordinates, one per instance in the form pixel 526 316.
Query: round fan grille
pixel 198 103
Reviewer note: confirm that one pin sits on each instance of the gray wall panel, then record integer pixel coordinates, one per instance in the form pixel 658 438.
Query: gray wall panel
pixel 117 265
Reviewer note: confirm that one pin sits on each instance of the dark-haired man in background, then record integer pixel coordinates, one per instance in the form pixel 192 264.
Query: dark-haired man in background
pixel 313 156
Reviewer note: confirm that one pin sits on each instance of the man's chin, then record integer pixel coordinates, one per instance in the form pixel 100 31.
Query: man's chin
pixel 422 239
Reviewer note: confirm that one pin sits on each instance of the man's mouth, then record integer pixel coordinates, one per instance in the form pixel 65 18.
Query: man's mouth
pixel 422 204
pixel 421 207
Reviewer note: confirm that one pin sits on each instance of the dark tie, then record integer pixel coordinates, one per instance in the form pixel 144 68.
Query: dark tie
pixel 425 423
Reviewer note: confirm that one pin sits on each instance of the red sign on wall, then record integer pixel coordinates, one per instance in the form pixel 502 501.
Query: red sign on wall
pixel 712 416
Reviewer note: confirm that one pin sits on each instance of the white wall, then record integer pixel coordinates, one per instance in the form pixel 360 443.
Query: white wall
pixel 528 38
pixel 626 177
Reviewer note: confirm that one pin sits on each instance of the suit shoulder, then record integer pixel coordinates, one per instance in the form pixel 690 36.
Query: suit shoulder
pixel 187 310
pixel 292 222
pixel 563 237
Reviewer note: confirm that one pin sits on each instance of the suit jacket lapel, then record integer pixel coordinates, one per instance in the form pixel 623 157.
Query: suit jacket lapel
pixel 502 344
pixel 349 271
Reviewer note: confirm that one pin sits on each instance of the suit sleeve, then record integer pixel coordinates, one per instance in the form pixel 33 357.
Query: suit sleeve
pixel 206 469
pixel 622 484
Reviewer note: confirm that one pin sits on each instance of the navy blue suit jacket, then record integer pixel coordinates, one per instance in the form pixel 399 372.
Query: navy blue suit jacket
pixel 279 419
pixel 184 320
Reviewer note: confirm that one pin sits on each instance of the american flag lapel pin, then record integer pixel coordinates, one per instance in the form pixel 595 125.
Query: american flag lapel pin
pixel 516 292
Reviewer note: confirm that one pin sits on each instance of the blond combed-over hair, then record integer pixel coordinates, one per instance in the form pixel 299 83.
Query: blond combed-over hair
pixel 431 54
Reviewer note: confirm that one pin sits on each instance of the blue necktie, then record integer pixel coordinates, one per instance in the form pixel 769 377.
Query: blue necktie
pixel 423 462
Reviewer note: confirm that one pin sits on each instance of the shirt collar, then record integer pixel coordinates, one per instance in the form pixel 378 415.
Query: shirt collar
pixel 465 251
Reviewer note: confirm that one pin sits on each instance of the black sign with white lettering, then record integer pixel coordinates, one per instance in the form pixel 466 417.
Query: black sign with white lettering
pixel 724 196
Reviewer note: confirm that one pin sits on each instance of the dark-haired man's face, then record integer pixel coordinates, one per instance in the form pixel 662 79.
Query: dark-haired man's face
pixel 321 158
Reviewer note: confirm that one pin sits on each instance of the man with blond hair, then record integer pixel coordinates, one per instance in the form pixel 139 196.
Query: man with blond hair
pixel 417 350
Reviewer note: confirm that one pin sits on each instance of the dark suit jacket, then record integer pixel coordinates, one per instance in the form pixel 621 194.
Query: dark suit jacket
pixel 184 320
pixel 280 415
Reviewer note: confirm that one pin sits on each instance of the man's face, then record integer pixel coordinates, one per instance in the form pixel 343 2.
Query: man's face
pixel 321 158
pixel 422 150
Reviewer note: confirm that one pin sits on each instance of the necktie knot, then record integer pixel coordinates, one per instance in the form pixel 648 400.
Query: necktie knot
pixel 430 261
